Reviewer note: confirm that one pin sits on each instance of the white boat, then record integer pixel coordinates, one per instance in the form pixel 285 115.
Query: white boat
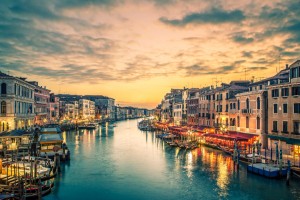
pixel 25 168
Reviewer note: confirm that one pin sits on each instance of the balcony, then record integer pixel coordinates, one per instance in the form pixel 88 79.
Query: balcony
pixel 246 111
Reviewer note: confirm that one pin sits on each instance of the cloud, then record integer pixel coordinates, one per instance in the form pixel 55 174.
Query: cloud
pixel 199 69
pixel 212 16
pixel 247 54
pixel 256 68
pixel 243 40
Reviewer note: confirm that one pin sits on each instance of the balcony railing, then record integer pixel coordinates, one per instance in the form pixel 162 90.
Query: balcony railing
pixel 246 111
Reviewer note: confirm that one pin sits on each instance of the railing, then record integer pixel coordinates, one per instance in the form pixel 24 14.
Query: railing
pixel 246 111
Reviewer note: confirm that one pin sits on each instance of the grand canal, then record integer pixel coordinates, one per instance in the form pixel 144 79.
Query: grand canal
pixel 124 163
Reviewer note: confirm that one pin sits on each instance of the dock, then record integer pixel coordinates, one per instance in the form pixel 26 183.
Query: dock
pixel 267 170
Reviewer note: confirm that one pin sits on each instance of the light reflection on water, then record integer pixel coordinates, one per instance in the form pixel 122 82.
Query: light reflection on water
pixel 124 163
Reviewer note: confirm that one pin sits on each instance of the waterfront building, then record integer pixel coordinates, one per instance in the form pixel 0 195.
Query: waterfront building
pixel 86 109
pixel 206 107
pixel 105 107
pixel 42 106
pixel 92 110
pixel 54 108
pixel 193 107
pixel 166 106
pixel 157 112
pixel 17 103
pixel 178 110
pixel 185 93
pixel 284 110
pixel 225 95
pixel 252 113
pixel 69 111
pixel 121 113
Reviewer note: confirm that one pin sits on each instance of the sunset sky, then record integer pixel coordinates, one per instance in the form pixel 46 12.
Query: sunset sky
pixel 135 51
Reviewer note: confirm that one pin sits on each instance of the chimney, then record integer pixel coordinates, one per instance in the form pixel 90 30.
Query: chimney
pixel 286 66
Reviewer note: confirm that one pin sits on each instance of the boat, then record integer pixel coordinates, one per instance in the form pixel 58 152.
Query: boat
pixel 89 126
pixel 50 143
pixel 25 168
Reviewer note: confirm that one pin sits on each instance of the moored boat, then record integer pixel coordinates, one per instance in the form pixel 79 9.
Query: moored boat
pixel 50 143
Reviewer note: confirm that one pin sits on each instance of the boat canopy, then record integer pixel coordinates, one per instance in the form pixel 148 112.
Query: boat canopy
pixel 50 137
pixel 50 130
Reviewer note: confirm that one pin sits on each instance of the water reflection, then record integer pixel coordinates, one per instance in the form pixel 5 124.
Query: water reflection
pixel 123 163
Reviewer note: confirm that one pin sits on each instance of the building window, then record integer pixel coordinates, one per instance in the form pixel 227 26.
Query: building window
pixel 238 121
pixel 247 122
pixel 275 108
pixel 295 72
pixel 296 127
pixel 284 126
pixel 247 104
pixel 275 93
pixel 296 91
pixel 296 107
pixel 260 87
pixel 226 108
pixel 284 108
pixel 258 103
pixel 233 105
pixel 285 92
pixel 274 126
pixel 3 88
pixel 257 122
pixel 230 106
pixel 238 104
pixel 3 107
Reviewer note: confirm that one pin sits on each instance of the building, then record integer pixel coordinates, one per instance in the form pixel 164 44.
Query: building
pixel 105 107
pixel 252 113
pixel 17 103
pixel 284 111
pixel 177 112
pixel 54 108
pixel 206 107
pixel 86 109
pixel 225 95
pixel 193 107
pixel 42 106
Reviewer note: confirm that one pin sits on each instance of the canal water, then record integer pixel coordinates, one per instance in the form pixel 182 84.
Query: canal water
pixel 122 162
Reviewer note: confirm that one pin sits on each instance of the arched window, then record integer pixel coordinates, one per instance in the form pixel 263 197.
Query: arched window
pixel 233 121
pixel 3 88
pixel 226 121
pixel 247 104
pixel 3 107
pixel 238 104
pixel 258 103
pixel 258 123
pixel 238 121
